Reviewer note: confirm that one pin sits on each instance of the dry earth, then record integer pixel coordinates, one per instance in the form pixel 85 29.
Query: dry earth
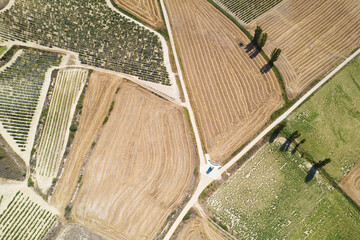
pixel 3 3
pixel 140 170
pixel 351 183
pixel 199 228
pixel 75 231
pixel 99 95
pixel 147 10
pixel 313 36
pixel 231 98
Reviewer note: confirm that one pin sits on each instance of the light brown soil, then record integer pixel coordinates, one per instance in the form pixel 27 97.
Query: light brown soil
pixel 99 95
pixel 199 228
pixel 147 10
pixel 140 170
pixel 231 98
pixel 351 183
pixel 3 3
pixel 75 231
pixel 313 36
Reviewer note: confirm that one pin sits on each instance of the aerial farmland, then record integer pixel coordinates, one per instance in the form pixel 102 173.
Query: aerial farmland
pixel 192 119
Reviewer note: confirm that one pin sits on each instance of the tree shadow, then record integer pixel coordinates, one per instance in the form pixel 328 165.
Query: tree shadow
pixel 266 68
pixel 276 132
pixel 311 174
pixel 297 146
pixel 289 140
pixel 285 146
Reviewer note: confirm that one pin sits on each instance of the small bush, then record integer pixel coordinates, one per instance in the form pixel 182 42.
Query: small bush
pixel 73 128
pixel 106 119
pixel 2 155
pixel 30 182
pixel 223 226
pixel 54 180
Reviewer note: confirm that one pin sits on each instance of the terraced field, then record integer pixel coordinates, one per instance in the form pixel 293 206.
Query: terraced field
pixel 232 100
pixel 311 37
pixel 140 170
pixel 269 198
pixel 102 37
pixel 25 219
pixel 21 84
pixel 67 90
pixel 246 11
pixel 199 229
pixel 147 10
pixel 98 97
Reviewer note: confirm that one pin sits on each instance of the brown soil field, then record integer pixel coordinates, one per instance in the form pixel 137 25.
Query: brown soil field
pixel 313 36
pixel 141 169
pixel 147 10
pixel 231 98
pixel 3 3
pixel 351 183
pixel 75 231
pixel 98 97
pixel 199 228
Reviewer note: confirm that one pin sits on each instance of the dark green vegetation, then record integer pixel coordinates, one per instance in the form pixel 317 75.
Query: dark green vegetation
pixel 268 198
pixel 102 37
pixel 247 10
pixel 330 121
pixel 11 165
pixel 20 88
pixel 2 49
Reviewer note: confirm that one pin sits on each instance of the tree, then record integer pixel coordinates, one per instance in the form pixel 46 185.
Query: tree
pixel 275 55
pixel 262 41
pixel 257 35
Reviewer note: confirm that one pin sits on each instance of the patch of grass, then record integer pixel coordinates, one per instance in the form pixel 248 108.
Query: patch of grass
pixel 329 121
pixel 268 198
pixel 2 49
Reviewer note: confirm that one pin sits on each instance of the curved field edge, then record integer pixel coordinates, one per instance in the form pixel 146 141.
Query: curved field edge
pixel 225 99
pixel 150 154
pixel 99 94
pixel 270 197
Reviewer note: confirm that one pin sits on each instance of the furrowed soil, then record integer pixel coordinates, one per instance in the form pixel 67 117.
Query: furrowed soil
pixel 75 231
pixel 232 99
pixel 313 36
pixel 98 97
pixel 147 10
pixel 199 228
pixel 3 3
pixel 330 122
pixel 11 165
pixel 141 169
pixel 274 195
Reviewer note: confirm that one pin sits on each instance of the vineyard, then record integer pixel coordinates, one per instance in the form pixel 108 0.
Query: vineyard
pixel 140 170
pixel 21 84
pixel 102 37
pixel 25 219
pixel 148 11
pixel 245 10
pixel 311 37
pixel 231 98
pixel 67 90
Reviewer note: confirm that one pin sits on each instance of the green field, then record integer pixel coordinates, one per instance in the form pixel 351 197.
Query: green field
pixel 2 49
pixel 247 10
pixel 268 198
pixel 330 122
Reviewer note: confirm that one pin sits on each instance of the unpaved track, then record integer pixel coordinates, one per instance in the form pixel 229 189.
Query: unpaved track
pixel 99 95
pixel 147 10
pixel 140 170
pixel 351 183
pixel 314 36
pixel 230 97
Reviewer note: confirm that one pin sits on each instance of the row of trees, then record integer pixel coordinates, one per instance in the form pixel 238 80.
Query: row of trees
pixel 260 39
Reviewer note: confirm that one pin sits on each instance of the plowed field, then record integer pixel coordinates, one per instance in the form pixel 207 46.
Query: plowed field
pixel 140 170
pixel 99 95
pixel 199 229
pixel 351 183
pixel 147 10
pixel 232 100
pixel 313 36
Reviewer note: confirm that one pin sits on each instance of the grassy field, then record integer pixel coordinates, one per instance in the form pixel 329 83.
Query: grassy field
pixel 330 120
pixel 268 198
pixel 2 49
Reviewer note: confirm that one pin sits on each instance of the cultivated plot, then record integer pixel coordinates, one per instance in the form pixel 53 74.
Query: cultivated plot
pixel 140 170
pixel 232 100
pixel 147 10
pixel 51 148
pixel 329 121
pixel 102 37
pixel 22 81
pixel 270 198
pixel 100 92
pixel 313 36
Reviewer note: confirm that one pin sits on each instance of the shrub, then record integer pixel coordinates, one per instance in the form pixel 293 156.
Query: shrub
pixel 73 128
pixel 30 182
pixel 2 155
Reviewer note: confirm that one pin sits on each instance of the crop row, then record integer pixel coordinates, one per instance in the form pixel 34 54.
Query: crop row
pixel 24 219
pixel 247 11
pixel 102 37
pixel 68 86
pixel 20 89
